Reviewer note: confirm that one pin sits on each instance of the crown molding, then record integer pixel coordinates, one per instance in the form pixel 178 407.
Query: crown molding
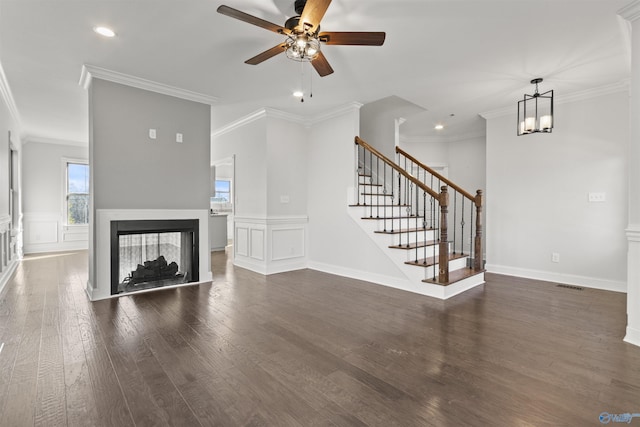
pixel 90 71
pixel 621 86
pixel 7 96
pixel 336 112
pixel 443 139
pixel 290 117
pixel 630 12
pixel 278 114
pixel 46 140
pixel 242 121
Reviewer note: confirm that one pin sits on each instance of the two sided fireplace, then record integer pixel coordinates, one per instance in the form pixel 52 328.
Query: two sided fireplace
pixel 149 254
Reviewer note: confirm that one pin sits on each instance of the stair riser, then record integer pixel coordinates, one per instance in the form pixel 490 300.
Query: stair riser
pixel 396 224
pixel 404 238
pixel 380 199
pixel 382 211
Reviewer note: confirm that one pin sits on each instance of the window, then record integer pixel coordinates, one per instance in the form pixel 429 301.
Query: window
pixel 77 190
pixel 223 191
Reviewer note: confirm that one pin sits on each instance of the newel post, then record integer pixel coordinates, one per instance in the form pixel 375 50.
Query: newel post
pixel 443 256
pixel 477 262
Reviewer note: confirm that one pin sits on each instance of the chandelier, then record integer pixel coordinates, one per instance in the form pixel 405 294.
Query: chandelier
pixel 535 112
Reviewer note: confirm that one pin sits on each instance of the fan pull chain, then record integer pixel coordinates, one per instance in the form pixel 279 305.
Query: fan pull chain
pixel 311 84
pixel 302 80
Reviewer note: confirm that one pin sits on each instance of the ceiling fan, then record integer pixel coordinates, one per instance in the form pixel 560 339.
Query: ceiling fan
pixel 303 35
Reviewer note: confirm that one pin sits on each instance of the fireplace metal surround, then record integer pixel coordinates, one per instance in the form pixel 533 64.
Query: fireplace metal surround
pixel 126 227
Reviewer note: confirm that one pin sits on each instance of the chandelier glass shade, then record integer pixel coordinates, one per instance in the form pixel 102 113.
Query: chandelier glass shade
pixel 535 112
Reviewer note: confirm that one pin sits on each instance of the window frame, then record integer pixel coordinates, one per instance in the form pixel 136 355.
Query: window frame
pixel 65 191
pixel 215 191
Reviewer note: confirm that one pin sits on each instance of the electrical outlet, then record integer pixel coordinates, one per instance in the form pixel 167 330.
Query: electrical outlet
pixel 555 257
pixel 152 134
pixel 178 137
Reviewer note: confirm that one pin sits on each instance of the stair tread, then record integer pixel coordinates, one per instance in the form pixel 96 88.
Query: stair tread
pixel 414 245
pixel 369 184
pixel 378 206
pixel 376 194
pixel 456 276
pixel 380 218
pixel 429 261
pixel 405 230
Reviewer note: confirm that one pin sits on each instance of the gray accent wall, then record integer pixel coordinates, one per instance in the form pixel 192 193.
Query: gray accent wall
pixel 132 171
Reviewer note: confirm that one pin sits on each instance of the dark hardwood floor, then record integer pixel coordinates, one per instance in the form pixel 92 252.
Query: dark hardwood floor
pixel 309 349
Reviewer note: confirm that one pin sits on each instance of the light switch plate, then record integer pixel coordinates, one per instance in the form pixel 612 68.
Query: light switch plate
pixel 152 134
pixel 597 197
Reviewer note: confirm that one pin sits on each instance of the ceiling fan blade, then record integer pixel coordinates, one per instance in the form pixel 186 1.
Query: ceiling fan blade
pixel 261 57
pixel 321 65
pixel 312 14
pixel 237 14
pixel 353 38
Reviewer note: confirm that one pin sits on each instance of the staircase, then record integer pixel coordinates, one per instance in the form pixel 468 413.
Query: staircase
pixel 409 220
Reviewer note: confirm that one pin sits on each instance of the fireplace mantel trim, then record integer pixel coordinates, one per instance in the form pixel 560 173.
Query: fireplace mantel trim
pixel 99 283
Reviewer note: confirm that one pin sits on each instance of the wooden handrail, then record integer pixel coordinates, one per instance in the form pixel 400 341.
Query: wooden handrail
pixel 398 169
pixel 440 177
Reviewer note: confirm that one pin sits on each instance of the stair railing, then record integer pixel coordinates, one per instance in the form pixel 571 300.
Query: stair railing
pixel 460 201
pixel 402 191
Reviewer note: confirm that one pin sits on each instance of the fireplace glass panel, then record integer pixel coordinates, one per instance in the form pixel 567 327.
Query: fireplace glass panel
pixel 152 260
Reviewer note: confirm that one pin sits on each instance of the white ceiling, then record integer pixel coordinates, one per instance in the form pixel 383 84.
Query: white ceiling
pixel 459 57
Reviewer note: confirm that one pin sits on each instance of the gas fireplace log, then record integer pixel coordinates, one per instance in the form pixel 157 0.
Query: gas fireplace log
pixel 157 269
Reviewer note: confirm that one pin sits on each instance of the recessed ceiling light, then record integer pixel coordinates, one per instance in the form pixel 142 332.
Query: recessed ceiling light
pixel 104 31
pixel 438 127
pixel 298 94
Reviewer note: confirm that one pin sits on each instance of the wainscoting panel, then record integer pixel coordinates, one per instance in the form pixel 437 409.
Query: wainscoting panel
pixel 287 243
pixel 47 232
pixel 241 242
pixel 41 232
pixel 8 256
pixel 257 244
pixel 276 244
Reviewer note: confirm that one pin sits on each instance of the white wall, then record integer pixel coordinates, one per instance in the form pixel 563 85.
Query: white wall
pixel 249 145
pixel 287 145
pixel 336 243
pixel 43 199
pixel 428 152
pixel 537 195
pixel 465 159
pixel 270 221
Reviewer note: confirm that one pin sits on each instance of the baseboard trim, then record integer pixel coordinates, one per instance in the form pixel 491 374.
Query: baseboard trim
pixel 434 291
pixel 632 336
pixel 7 274
pixel 274 267
pixel 55 247
pixel 570 279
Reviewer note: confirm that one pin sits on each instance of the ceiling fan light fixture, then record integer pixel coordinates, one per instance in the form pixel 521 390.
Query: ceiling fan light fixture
pixel 301 47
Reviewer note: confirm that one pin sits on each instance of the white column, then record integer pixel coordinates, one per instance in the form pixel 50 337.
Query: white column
pixel 632 14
